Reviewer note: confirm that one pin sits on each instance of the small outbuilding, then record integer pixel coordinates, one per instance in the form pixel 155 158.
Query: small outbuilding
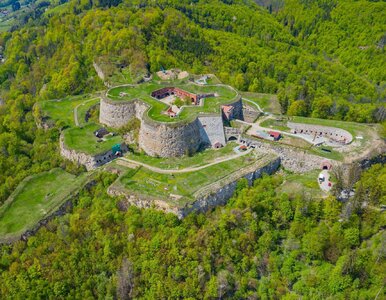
pixel 275 135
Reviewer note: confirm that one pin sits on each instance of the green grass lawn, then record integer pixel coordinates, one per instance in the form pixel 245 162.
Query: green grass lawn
pixel 267 102
pixel 36 197
pixel 6 25
pixel 353 128
pixel 331 155
pixel 83 139
pixel 275 124
pixel 63 110
pixel 83 108
pixel 296 184
pixel 121 76
pixel 143 92
pixel 198 159
pixel 144 182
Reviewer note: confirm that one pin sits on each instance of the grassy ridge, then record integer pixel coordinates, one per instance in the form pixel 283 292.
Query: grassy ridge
pixel 63 110
pixel 161 186
pixel 36 197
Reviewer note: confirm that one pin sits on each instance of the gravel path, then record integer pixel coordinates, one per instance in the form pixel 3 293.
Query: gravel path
pixel 185 170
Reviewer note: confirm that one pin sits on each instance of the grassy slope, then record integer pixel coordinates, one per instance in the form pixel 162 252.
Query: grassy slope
pixel 199 159
pixel 160 186
pixel 36 197
pixel 297 184
pixel 83 108
pixel 267 102
pixel 143 92
pixel 63 109
pixel 83 139
pixel 352 127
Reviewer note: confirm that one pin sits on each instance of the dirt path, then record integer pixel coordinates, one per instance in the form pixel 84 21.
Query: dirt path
pixel 185 170
pixel 254 103
pixel 76 110
pixel 256 126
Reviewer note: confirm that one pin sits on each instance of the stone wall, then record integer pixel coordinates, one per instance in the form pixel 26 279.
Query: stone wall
pixel 89 161
pixel 211 130
pixel 237 109
pixel 295 160
pixel 222 194
pixel 116 113
pixel 164 140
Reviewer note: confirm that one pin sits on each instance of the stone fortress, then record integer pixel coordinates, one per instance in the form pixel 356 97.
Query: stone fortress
pixel 172 139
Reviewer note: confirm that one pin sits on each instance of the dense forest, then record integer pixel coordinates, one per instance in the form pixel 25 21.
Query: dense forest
pixel 262 245
pixel 320 57
pixel 320 64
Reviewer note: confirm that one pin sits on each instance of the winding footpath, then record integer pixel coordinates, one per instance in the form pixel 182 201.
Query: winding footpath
pixel 76 110
pixel 185 170
pixel 254 103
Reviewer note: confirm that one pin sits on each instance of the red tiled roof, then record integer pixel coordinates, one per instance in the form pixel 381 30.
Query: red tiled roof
pixel 274 134
pixel 227 108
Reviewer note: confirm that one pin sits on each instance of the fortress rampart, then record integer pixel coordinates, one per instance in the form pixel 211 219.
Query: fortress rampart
pixel 89 161
pixel 118 113
pixel 160 139
pixel 209 196
pixel 163 139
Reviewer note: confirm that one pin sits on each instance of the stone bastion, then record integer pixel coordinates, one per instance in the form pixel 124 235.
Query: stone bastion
pixel 89 161
pixel 163 139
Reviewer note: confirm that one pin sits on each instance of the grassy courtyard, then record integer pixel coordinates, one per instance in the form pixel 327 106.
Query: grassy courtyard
pixel 83 139
pixel 143 92
pixel 36 197
pixel 185 186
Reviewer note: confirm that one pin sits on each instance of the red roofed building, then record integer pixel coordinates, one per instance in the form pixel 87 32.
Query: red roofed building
pixel 276 135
